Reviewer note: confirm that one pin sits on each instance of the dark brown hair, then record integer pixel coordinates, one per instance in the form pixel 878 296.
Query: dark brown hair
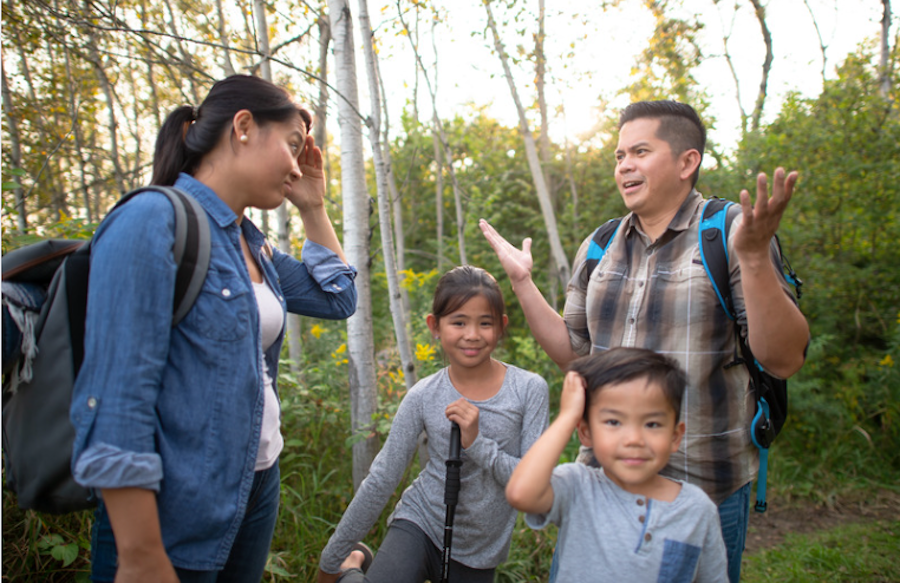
pixel 459 285
pixel 679 126
pixel 623 364
pixel 187 135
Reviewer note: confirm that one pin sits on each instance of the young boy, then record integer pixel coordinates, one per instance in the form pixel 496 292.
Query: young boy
pixel 625 404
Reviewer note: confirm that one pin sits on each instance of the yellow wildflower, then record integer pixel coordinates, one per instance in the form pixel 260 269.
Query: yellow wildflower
pixel 887 361
pixel 424 352
pixel 318 330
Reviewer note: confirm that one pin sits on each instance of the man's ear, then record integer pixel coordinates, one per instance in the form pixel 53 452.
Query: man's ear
pixel 584 433
pixel 690 161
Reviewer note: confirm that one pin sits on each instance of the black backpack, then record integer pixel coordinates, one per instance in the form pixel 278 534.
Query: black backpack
pixel 770 392
pixel 43 348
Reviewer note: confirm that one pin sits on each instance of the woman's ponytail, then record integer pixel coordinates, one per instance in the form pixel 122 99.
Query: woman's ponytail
pixel 171 155
pixel 188 135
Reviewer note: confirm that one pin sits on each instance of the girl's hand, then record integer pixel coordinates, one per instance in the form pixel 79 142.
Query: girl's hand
pixel 574 397
pixel 464 414
pixel 308 192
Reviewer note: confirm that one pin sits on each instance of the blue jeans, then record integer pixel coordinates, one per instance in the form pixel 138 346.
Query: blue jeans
pixel 734 515
pixel 249 553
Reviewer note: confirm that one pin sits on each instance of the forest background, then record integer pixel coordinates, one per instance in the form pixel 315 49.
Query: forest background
pixel 86 84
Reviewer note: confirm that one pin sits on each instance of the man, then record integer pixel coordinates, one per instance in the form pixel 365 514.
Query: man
pixel 650 290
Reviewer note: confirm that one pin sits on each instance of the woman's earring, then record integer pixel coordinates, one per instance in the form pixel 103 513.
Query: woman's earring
pixel 244 138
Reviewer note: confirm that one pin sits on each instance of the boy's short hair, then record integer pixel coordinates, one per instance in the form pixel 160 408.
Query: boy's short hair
pixel 679 126
pixel 623 364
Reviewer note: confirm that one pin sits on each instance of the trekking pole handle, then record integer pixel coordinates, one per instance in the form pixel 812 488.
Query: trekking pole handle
pixel 454 461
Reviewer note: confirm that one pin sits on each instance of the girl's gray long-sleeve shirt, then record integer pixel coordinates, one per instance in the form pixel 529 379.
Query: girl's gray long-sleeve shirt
pixel 509 423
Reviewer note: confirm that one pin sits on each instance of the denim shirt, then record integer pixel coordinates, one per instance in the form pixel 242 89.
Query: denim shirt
pixel 178 410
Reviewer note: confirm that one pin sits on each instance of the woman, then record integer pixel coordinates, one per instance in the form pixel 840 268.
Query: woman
pixel 177 428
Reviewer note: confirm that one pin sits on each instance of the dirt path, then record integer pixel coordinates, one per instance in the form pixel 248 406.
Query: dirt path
pixel 769 529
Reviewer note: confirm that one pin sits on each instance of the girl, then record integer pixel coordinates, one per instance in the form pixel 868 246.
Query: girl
pixel 501 410
pixel 177 428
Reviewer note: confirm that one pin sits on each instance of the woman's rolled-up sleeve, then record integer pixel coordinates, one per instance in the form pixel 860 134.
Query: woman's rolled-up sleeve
pixel 319 286
pixel 127 335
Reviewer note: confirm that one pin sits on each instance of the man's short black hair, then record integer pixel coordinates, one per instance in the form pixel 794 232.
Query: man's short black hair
pixel 679 126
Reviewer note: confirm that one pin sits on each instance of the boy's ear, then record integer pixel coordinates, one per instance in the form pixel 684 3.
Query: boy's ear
pixel 677 436
pixel 584 433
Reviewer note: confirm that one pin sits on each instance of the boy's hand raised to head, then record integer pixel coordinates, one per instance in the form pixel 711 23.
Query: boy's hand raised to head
pixel 517 263
pixel 573 399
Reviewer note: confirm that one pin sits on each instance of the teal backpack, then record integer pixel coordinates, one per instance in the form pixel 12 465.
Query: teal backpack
pixel 770 393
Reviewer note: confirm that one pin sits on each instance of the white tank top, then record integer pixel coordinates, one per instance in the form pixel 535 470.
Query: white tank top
pixel 271 321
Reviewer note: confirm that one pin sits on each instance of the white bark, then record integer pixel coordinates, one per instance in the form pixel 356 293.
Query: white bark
pixel 534 163
pixel 884 68
pixel 384 176
pixel 448 156
pixel 360 337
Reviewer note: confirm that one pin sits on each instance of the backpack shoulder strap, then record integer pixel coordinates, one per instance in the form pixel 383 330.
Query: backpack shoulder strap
pixel 600 242
pixel 192 245
pixel 714 227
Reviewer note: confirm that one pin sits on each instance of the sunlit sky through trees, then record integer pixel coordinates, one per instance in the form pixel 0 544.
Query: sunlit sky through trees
pixel 604 46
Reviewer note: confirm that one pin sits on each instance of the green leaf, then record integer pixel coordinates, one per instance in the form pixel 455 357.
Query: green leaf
pixel 65 553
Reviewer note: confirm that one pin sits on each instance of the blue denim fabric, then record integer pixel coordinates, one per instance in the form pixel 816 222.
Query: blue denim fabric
pixel 247 560
pixel 734 514
pixel 179 410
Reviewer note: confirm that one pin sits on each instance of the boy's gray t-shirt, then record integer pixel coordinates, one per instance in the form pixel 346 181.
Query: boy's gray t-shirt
pixel 509 423
pixel 629 537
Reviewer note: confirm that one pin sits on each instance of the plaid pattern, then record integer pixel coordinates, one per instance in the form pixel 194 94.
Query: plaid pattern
pixel 657 295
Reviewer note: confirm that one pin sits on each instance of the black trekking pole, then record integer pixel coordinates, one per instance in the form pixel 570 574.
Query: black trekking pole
pixel 451 497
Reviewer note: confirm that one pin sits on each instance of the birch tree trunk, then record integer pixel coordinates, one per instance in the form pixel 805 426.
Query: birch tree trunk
pixel 265 70
pixel 445 147
pixel 884 65
pixel 534 163
pixel 756 117
pixel 544 138
pixel 360 337
pixel 15 152
pixel 319 130
pixel 227 65
pixel 384 176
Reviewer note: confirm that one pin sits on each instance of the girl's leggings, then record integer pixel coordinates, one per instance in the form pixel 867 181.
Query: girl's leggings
pixel 407 555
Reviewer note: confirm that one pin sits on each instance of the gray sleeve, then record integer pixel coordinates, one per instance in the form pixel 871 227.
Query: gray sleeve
pixel 533 401
pixel 560 481
pixel 376 489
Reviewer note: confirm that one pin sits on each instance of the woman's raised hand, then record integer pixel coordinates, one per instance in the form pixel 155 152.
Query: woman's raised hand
pixel 308 191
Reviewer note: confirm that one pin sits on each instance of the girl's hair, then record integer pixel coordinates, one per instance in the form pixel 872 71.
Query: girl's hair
pixel 459 285
pixel 188 135
pixel 622 364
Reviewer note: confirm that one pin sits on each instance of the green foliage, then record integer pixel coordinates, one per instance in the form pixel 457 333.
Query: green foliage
pixel 850 554
pixel 43 547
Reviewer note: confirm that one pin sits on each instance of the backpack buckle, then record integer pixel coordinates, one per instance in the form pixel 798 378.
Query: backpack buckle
pixel 762 429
